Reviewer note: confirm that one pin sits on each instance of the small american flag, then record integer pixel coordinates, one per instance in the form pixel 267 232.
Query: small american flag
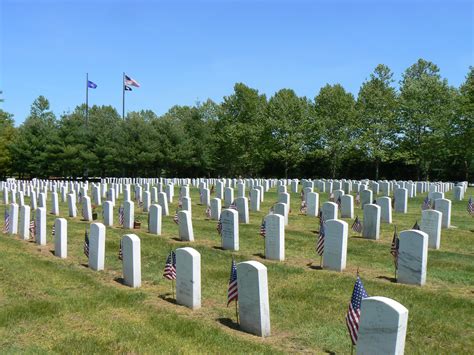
pixel 353 313
pixel 320 244
pixel 232 291
pixel 180 202
pixel 175 218
pixel 6 225
pixel 121 216
pixel 212 189
pixel 170 267
pixel 219 226
pixel 208 212
pixel 120 253
pixel 394 248
pixel 84 214
pixel 303 207
pixel 331 197
pixel 140 203
pixel 357 225
pixel 53 231
pixel 470 206
pixel 302 195
pixel 416 226
pixel 32 229
pixel 321 218
pixel 357 199
pixel 426 204
pixel 86 244
pixel 339 202
pixel 233 206
pixel 263 229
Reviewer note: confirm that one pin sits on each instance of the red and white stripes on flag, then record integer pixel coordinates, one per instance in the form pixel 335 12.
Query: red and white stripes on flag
pixel 353 313
pixel 232 291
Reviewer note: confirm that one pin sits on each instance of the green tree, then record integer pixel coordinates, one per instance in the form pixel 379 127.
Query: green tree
pixel 462 127
pixel 7 134
pixel 426 104
pixel 287 127
pixel 32 148
pixel 239 132
pixel 376 111
pixel 335 113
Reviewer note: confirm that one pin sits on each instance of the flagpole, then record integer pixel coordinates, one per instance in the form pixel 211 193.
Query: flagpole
pixel 123 95
pixel 236 311
pixel 87 99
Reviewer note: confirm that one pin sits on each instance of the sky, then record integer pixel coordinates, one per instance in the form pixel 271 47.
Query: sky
pixel 182 52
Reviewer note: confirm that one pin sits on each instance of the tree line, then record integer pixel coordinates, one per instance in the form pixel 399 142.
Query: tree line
pixel 422 129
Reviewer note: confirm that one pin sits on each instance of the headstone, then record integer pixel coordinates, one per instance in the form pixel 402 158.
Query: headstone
pixel 41 226
pixel 228 196
pixel 458 193
pixel 371 225
pixel 155 219
pixel 55 204
pixel 382 327
pixel 13 219
pixel 188 277
pixel 274 237
pixel 128 214
pixel 60 238
pixel 401 200
pixel 385 204
pixel 86 208
pixel 215 208
pixel 436 195
pixel 71 201
pixel 329 210
pixel 254 308
pixel 347 206
pixel 24 224
pixel 108 212
pixel 242 205
pixel 312 204
pixel 412 257
pixel 146 201
pixel 431 225
pixel 365 197
pixel 186 205
pixel 185 226
pixel 97 246
pixel 163 202
pixel 335 245
pixel 444 206
pixel 281 209
pixel 131 263
pixel 230 229
pixel 255 200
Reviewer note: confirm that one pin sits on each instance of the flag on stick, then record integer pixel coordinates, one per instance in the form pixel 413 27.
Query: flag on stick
pixel 232 291
pixel 470 206
pixel 353 313
pixel 6 225
pixel 320 244
pixel 170 267
pixel 357 225
pixel 394 248
pixel 86 244
pixel 131 82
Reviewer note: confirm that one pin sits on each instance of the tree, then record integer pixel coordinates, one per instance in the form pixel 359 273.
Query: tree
pixel 287 127
pixel 335 113
pixel 426 104
pixel 239 132
pixel 376 112
pixel 7 133
pixel 32 147
pixel 462 127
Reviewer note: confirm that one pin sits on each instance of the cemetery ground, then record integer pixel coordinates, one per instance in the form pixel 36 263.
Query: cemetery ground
pixel 50 304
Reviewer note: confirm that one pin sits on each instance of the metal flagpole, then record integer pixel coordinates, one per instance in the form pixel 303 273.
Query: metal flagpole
pixel 123 95
pixel 236 311
pixel 87 99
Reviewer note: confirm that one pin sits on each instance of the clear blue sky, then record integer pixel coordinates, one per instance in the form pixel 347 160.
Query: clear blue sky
pixel 181 51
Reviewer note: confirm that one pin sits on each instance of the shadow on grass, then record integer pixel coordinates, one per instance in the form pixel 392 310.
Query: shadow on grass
pixel 315 232
pixel 228 322
pixel 259 255
pixel 391 279
pixel 84 264
pixel 314 267
pixel 168 297
pixel 119 280
pixel 356 236
pixel 218 248
pixel 178 240
pixel 329 351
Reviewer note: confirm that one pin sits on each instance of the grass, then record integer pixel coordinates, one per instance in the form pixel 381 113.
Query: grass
pixel 53 305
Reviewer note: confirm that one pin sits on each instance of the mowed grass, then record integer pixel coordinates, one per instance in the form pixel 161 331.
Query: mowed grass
pixel 53 305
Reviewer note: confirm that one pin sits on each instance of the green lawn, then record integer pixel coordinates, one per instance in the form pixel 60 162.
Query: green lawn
pixel 53 305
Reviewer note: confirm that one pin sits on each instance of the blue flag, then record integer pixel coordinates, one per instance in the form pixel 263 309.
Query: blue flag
pixel 91 84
